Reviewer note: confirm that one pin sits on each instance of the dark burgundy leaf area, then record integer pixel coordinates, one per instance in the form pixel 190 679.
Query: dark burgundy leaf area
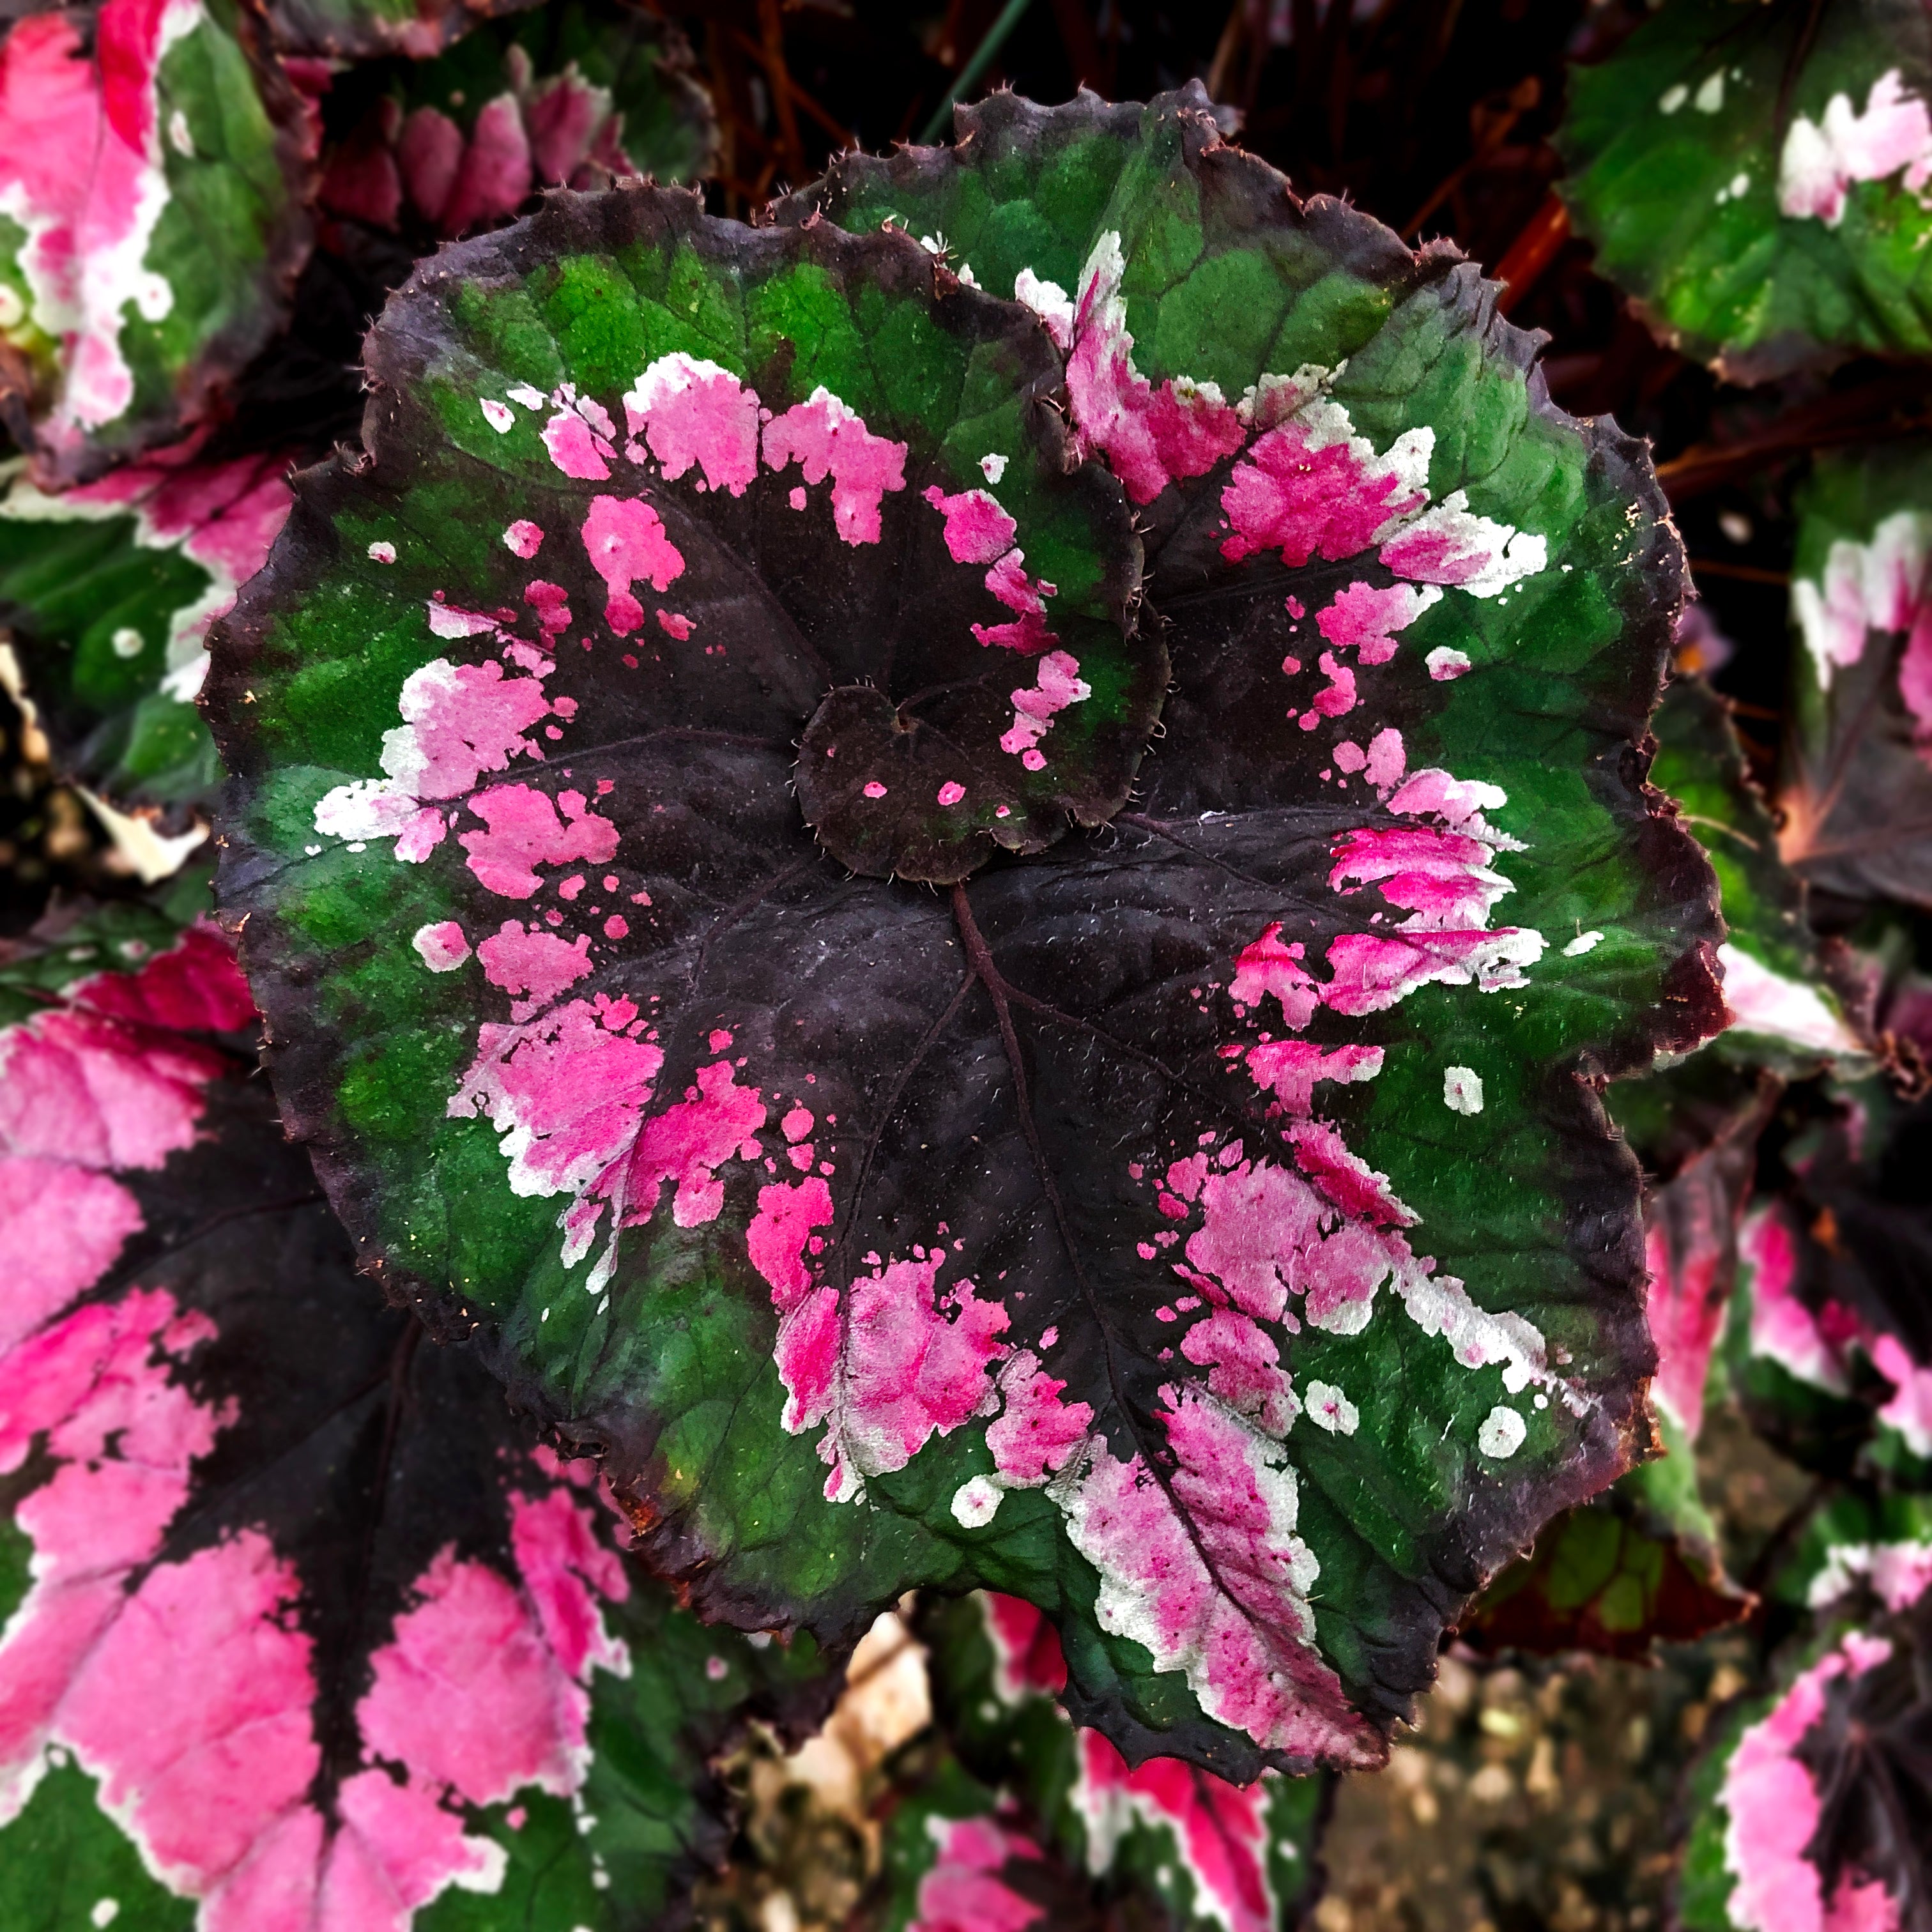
pixel 874 630
pixel 1870 1756
pixel 410 1591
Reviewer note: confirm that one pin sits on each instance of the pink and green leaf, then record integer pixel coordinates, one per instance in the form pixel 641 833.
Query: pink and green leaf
pixel 1756 181
pixel 1857 796
pixel 1807 1809
pixel 154 174
pixel 1214 1855
pixel 571 95
pixel 1193 1209
pixel 300 1628
pixel 107 590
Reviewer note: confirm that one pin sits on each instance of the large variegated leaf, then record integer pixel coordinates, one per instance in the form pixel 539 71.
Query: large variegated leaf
pixel 107 590
pixel 1857 797
pixel 154 174
pixel 1204 1225
pixel 1809 1808
pixel 1755 179
pixel 301 1632
pixel 574 95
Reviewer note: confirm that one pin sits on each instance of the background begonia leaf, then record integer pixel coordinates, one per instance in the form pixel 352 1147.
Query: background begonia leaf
pixel 1640 1565
pixel 1831 1345
pixel 298 1623
pixel 1008 1242
pixel 107 591
pixel 954 1857
pixel 1166 1839
pixel 1858 796
pixel 1810 1805
pixel 361 29
pixel 573 95
pixel 1860 1547
pixel 1786 1013
pixel 1754 178
pixel 150 231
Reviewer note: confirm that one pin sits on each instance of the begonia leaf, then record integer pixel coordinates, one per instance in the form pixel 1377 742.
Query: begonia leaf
pixel 1008 1242
pixel 107 591
pixel 361 29
pixel 1639 1566
pixel 957 1858
pixel 1754 178
pixel 1786 1014
pixel 1860 1543
pixel 1857 799
pixel 1832 1342
pixel 1810 1807
pixel 154 169
pixel 301 1629
pixel 1216 1857
pixel 573 95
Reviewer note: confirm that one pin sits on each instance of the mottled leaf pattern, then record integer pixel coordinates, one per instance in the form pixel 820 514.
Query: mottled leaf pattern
pixel 573 95
pixel 107 591
pixel 1195 1853
pixel 301 1629
pixel 154 174
pixel 1808 1809
pixel 1858 797
pixel 1204 1227
pixel 1756 180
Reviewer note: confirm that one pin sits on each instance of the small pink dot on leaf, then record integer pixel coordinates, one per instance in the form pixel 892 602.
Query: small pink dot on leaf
pixel 874 789
pixel 616 926
pixel 951 792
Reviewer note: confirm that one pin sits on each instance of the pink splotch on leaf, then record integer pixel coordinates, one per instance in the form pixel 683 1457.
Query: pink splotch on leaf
pixel 691 411
pixel 963 1892
pixel 1037 1429
pixel 82 171
pixel 459 721
pixel 909 1361
pixel 978 530
pixel 1441 878
pixel 1150 437
pixel 777 1237
pixel 1241 1629
pixel 1269 968
pixel 525 831
pixel 625 541
pixel 1312 487
pixel 1056 685
pixel 827 438
pixel 468 1695
pixel 573 447
pixel 566 1092
pixel 78 1087
pixel 536 963
pixel 687 1143
pixel 1370 619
